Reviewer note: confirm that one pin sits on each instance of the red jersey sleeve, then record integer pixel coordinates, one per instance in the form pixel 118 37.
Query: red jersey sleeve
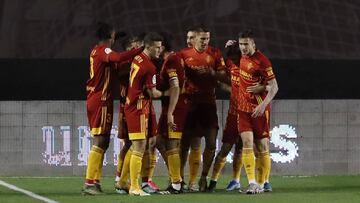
pixel 219 61
pixel 113 56
pixel 171 66
pixel 266 69
pixel 229 64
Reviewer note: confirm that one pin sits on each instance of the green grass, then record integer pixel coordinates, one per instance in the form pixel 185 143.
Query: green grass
pixel 286 189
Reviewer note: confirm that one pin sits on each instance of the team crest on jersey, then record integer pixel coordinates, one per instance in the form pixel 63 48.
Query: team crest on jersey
pixel 108 50
pixel 208 59
pixel 250 66
pixel 154 79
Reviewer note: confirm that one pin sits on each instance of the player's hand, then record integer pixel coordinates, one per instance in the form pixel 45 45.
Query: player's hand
pixel 171 123
pixel 255 89
pixel 230 43
pixel 205 70
pixel 258 111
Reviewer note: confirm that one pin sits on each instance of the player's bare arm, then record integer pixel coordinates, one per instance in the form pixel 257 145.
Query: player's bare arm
pixel 154 93
pixel 174 92
pixel 257 88
pixel 273 89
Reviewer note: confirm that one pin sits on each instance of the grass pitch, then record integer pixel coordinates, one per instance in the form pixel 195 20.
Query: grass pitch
pixel 286 189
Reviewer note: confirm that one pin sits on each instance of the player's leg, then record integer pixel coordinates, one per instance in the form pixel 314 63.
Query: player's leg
pixel 124 138
pixel 100 120
pixel 207 114
pixel 161 147
pixel 208 156
pixel 173 146
pixel 95 158
pixel 148 166
pixel 184 153
pixel 149 172
pixel 139 146
pixel 194 162
pixel 264 160
pixel 219 164
pixel 121 157
pixel 247 137
pixel 248 158
pixel 237 165
pixel 262 135
pixel 123 186
pixel 138 132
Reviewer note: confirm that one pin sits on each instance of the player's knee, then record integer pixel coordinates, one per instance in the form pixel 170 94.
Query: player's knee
pixel 139 145
pixel 247 143
pixel 102 142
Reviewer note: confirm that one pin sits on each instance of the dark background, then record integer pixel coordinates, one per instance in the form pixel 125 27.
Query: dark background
pixel 314 45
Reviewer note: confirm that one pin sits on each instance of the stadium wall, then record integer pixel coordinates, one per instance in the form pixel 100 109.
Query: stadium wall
pixel 51 138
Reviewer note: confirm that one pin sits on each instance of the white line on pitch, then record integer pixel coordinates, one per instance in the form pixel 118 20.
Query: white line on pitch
pixel 31 194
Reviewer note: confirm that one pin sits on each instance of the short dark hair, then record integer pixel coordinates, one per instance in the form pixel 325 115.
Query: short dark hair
pixel 103 31
pixel 200 29
pixel 246 34
pixel 167 39
pixel 152 37
pixel 233 53
pixel 126 43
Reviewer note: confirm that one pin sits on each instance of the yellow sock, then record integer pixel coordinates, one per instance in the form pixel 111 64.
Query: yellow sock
pixel 237 165
pixel 125 172
pixel 218 166
pixel 194 163
pixel 135 168
pixel 94 160
pixel 257 167
pixel 99 170
pixel 174 165
pixel 152 162
pixel 249 163
pixel 268 169
pixel 121 158
pixel 265 165
pixel 145 167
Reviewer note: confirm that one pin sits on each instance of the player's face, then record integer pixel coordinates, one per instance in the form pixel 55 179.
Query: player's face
pixel 190 36
pixel 201 41
pixel 155 49
pixel 247 46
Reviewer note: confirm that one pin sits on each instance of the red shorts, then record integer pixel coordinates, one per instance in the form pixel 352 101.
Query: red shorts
pixel 231 134
pixel 202 115
pixel 180 114
pixel 259 126
pixel 100 115
pixel 122 126
pixel 141 122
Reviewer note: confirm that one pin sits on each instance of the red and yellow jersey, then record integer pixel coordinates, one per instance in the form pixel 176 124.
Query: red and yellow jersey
pixel 201 87
pixel 142 76
pixel 253 69
pixel 123 79
pixel 173 67
pixel 102 70
pixel 234 71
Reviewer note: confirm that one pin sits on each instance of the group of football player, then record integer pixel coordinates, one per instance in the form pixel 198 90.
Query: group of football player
pixel 185 82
